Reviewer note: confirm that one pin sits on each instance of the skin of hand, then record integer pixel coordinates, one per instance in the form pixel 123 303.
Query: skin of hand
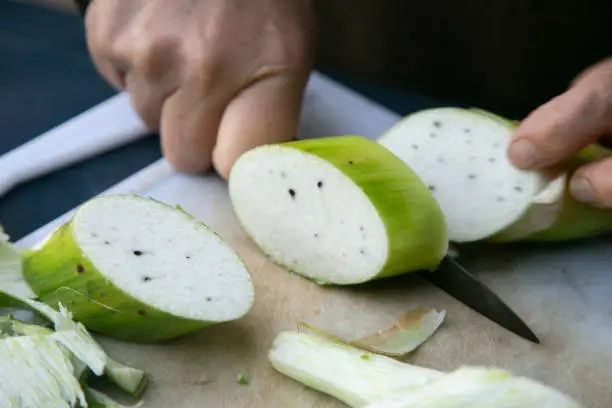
pixel 214 77
pixel 564 125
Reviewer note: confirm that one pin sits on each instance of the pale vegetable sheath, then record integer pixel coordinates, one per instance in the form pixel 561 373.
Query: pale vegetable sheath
pixel 339 210
pixel 364 380
pixel 137 269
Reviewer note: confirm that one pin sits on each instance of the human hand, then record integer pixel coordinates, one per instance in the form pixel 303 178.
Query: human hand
pixel 214 77
pixel 564 125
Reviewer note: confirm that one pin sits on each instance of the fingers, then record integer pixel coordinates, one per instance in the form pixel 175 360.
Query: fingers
pixel 592 184
pixel 266 112
pixel 567 123
pixel 189 125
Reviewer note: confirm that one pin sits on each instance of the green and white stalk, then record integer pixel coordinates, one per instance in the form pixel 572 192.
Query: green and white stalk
pixel 139 270
pixel 340 210
pixel 373 381
pixel 482 387
pixel 462 155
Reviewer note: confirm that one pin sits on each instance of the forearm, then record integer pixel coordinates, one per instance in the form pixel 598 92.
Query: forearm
pixel 66 5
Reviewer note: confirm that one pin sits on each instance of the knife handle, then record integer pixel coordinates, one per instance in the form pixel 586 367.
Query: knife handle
pixel 104 127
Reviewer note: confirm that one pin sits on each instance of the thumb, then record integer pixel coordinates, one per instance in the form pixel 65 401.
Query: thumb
pixel 266 112
pixel 567 123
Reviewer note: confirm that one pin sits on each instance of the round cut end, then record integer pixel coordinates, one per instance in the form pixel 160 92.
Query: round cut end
pixel 308 216
pixel 164 258
pixel 462 156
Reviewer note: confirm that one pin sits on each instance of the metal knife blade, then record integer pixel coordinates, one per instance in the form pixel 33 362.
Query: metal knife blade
pixel 459 283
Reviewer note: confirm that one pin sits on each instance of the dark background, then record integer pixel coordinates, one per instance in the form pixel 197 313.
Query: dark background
pixel 47 77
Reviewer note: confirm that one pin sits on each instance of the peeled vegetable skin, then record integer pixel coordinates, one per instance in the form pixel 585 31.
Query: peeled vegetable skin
pixel 339 210
pixel 137 269
pixel 374 381
pixel 461 154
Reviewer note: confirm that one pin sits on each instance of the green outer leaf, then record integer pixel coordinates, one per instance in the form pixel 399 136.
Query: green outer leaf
pixel 51 271
pixel 414 221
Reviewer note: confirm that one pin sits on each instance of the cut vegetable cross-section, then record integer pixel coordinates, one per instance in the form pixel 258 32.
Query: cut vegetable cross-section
pixel 137 269
pixel 340 210
pixel 462 156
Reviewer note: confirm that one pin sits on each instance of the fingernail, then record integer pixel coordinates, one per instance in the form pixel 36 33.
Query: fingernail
pixel 582 190
pixel 523 153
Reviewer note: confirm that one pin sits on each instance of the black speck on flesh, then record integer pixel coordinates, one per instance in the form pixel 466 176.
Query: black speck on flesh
pixel 501 199
pixel 106 243
pixel 146 278
pixel 292 193
pixel 137 253
pixel 316 235
pixel 283 174
pixel 141 312
pixel 431 188
pixel 441 160
pixel 362 252
pixel 415 147
pixel 80 269
pixel 433 135
pixel 492 159
pixel 467 130
pixel 209 299
pixel 187 257
pixel 361 228
pixel 518 188
pixel 472 176
pixel 437 123
pixel 94 235
pixel 320 184
pixel 350 162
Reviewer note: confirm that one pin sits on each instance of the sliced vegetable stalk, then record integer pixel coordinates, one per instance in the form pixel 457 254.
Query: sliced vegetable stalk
pixel 341 210
pixel 376 381
pixel 462 155
pixel 351 375
pixel 482 387
pixel 139 270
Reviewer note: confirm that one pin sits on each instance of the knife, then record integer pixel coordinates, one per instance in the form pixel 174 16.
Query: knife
pixel 458 282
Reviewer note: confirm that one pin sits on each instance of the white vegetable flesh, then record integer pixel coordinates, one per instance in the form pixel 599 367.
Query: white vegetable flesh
pixel 164 258
pixel 374 381
pixel 308 215
pixel 462 156
pixel 481 387
pixel 353 376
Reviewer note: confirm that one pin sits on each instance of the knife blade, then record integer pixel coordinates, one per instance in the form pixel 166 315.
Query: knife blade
pixel 458 282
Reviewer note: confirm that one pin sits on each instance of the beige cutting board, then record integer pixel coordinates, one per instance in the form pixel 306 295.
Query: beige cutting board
pixel 564 294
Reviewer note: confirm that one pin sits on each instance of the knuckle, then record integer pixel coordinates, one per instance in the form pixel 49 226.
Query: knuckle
pixel 152 55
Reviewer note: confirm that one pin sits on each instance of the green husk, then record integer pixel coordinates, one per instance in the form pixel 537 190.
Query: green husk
pixel 414 222
pixel 341 371
pixel 58 271
pixel 88 354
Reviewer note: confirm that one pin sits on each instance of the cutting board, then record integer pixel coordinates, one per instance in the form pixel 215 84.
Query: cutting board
pixel 563 293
